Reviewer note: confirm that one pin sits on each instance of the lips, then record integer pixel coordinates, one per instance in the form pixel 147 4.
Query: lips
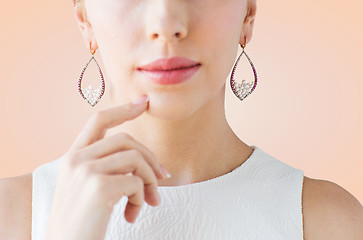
pixel 168 64
pixel 167 71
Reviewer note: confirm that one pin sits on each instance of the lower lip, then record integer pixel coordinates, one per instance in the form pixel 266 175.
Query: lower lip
pixel 171 76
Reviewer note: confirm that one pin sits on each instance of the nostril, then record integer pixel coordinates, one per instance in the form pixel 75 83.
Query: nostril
pixel 177 34
pixel 155 35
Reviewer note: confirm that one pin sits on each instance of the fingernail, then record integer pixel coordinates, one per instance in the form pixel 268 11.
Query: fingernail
pixel 143 99
pixel 165 171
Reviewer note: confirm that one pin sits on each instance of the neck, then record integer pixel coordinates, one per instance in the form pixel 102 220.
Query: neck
pixel 197 148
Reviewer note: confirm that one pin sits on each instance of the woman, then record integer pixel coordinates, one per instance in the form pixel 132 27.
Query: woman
pixel 215 185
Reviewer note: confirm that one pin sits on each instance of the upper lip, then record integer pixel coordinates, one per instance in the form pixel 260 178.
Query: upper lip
pixel 163 64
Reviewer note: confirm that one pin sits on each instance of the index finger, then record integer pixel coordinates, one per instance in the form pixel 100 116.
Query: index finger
pixel 96 127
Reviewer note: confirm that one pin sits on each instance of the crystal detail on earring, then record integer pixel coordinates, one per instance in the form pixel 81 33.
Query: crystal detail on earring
pixel 243 90
pixel 90 95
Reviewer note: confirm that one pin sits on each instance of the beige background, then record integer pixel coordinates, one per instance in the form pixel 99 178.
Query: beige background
pixel 307 109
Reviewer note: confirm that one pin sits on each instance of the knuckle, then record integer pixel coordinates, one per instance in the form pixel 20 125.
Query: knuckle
pixel 101 187
pixel 97 117
pixel 124 136
pixel 99 182
pixel 110 202
pixel 138 182
pixel 134 154
pixel 127 108
pixel 72 159
pixel 89 168
pixel 118 156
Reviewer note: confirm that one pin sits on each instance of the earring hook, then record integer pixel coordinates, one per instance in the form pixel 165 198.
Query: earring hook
pixel 244 45
pixel 91 50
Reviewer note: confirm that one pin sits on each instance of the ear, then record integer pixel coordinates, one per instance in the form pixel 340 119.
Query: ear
pixel 85 26
pixel 247 27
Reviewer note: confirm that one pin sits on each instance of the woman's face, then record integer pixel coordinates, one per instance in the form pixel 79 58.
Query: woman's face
pixel 132 33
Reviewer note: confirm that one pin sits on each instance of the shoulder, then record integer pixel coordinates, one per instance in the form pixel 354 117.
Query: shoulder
pixel 330 212
pixel 16 207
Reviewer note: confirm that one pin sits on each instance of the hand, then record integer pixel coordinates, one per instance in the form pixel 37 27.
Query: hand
pixel 96 172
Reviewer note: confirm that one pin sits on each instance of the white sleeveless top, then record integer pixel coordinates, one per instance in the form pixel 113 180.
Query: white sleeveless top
pixel 260 199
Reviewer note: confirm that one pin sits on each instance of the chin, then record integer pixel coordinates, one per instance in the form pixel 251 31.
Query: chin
pixel 171 109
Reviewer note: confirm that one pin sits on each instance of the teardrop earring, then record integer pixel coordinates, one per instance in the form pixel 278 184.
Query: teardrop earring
pixel 243 90
pixel 90 95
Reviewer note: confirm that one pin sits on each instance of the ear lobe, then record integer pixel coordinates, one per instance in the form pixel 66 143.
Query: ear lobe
pixel 247 31
pixel 247 28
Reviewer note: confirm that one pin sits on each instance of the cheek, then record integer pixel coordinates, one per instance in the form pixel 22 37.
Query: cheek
pixel 117 30
pixel 220 29
pixel 220 45
pixel 118 35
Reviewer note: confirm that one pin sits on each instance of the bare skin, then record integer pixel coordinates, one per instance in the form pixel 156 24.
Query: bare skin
pixel 176 127
pixel 330 212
